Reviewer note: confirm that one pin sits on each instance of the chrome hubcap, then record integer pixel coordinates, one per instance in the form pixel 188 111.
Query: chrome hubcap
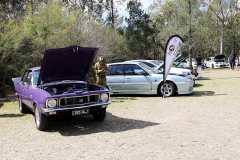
pixel 37 117
pixel 166 89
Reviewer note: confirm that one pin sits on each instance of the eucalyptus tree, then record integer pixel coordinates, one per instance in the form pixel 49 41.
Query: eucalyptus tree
pixel 222 10
pixel 139 30
pixel 179 17
pixel 112 8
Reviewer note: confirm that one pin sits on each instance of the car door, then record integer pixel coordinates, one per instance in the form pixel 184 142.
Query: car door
pixel 27 89
pixel 21 87
pixel 136 79
pixel 115 78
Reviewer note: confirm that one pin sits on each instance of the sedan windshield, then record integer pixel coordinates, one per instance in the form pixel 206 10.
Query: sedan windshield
pixel 147 68
pixel 35 77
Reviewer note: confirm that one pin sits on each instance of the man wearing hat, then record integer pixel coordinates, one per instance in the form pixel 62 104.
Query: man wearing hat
pixel 101 70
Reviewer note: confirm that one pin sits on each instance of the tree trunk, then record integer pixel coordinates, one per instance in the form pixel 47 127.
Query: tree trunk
pixel 112 14
pixel 222 38
pixel 190 35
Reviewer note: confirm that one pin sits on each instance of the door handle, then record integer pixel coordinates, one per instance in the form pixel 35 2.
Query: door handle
pixel 128 78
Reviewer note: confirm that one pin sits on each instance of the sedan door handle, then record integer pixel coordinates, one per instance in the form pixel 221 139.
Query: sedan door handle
pixel 128 78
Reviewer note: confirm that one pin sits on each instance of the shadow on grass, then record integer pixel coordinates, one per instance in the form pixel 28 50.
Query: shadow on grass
pixel 84 125
pixel 197 85
pixel 123 98
pixel 1 104
pixel 204 78
pixel 11 115
pixel 201 94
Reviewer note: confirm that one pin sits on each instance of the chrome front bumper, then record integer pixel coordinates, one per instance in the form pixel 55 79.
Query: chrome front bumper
pixel 72 108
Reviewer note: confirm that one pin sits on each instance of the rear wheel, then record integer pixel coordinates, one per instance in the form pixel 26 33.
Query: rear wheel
pixel 22 107
pixel 167 89
pixel 40 119
pixel 99 115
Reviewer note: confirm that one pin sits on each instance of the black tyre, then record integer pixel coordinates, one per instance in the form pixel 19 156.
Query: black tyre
pixel 168 89
pixel 99 115
pixel 40 119
pixel 212 66
pixel 22 107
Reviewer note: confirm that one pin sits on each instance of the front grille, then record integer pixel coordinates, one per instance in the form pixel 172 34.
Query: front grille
pixel 79 100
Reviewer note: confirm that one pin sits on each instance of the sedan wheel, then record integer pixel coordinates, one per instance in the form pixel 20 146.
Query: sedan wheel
pixel 167 89
pixel 40 119
pixel 22 106
pixel 212 66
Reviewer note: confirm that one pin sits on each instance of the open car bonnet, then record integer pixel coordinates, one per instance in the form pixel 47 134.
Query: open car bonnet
pixel 220 56
pixel 71 63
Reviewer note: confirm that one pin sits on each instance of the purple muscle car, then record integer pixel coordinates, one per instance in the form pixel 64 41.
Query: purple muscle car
pixel 60 86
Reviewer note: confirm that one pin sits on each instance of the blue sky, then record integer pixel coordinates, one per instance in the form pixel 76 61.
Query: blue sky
pixel 145 4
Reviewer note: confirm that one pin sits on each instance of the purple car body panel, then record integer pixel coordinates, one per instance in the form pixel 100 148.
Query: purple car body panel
pixel 64 66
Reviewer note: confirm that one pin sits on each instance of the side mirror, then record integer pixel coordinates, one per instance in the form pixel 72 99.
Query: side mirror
pixel 25 84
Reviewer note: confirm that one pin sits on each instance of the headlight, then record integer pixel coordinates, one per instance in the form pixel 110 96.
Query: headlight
pixel 52 103
pixel 104 97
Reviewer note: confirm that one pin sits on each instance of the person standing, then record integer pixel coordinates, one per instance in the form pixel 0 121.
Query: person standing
pixel 199 62
pixel 101 70
pixel 231 60
pixel 236 62
pixel 92 75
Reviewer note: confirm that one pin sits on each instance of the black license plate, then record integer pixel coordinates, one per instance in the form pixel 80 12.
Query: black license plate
pixel 80 112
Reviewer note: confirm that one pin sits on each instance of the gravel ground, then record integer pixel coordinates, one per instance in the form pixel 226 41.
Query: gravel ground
pixel 203 125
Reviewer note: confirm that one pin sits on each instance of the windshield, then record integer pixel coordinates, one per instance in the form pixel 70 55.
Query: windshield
pixel 156 63
pixel 218 60
pixel 35 77
pixel 147 68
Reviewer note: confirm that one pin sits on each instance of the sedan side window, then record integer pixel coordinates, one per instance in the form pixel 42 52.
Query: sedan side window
pixel 115 70
pixel 28 78
pixel 132 69
pixel 25 76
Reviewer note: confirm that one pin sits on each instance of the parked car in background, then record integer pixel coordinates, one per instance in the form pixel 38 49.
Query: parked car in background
pixel 157 65
pixel 138 78
pixel 216 62
pixel 184 63
pixel 60 87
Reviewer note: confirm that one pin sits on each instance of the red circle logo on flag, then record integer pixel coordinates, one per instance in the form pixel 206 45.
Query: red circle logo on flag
pixel 171 48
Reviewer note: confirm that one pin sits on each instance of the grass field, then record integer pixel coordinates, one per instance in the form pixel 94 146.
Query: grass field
pixel 203 125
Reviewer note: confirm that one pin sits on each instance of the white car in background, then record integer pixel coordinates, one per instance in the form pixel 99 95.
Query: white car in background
pixel 184 62
pixel 216 62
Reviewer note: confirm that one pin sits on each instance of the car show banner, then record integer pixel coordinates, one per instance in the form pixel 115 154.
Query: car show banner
pixel 171 51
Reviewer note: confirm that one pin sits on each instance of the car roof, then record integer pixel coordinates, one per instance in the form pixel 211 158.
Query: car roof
pixel 126 62
pixel 34 68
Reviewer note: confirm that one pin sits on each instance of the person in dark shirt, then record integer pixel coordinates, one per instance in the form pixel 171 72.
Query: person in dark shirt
pixel 199 62
pixel 231 60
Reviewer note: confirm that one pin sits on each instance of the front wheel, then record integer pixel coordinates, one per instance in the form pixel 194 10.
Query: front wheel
pixel 212 66
pixel 40 119
pixel 99 115
pixel 167 89
pixel 22 107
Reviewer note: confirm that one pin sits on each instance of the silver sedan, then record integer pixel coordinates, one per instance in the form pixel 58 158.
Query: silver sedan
pixel 138 78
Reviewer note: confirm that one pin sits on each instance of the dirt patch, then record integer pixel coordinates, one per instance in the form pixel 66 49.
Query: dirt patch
pixel 203 125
